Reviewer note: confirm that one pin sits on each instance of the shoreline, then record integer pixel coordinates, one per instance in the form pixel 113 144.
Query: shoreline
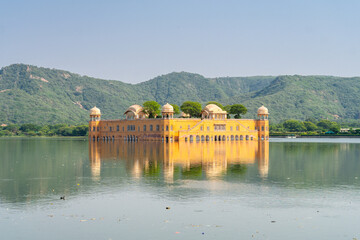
pixel 47 137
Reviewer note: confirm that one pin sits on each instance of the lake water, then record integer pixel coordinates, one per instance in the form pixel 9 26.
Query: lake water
pixel 285 189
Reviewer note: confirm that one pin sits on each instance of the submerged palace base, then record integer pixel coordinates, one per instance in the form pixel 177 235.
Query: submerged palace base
pixel 212 126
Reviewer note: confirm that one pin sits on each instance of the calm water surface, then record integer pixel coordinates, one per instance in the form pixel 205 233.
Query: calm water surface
pixel 285 189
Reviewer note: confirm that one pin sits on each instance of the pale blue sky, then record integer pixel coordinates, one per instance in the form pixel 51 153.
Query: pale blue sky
pixel 134 41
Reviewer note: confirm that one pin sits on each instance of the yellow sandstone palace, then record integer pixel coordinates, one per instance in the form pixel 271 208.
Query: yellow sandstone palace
pixel 212 126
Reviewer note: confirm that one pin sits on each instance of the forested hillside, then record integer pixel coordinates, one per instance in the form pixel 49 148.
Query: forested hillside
pixel 30 94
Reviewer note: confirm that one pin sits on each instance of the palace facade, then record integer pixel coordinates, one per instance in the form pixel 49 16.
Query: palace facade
pixel 212 126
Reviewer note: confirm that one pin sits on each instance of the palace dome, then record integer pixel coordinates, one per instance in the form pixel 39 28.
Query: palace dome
pixel 95 111
pixel 263 111
pixel 135 108
pixel 213 108
pixel 167 108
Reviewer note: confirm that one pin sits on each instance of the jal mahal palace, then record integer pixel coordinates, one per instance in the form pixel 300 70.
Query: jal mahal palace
pixel 213 125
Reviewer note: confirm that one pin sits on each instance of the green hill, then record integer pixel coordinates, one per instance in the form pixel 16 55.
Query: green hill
pixel 301 97
pixel 30 94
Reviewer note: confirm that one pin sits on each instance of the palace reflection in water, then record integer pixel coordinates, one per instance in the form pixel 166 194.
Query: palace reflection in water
pixel 207 160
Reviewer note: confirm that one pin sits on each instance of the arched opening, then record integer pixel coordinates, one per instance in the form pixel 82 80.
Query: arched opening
pixel 191 138
pixel 167 139
pixel 186 139
pixel 251 138
pixel 262 137
pixel 207 138
pixel 97 139
pixel 232 137
pixel 236 138
pixel 215 139
pixel 197 138
pixel 241 137
pixel 93 138
pixel 202 138
pixel 247 137
pixel 224 138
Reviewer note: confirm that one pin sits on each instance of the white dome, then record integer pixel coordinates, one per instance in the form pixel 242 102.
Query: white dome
pixel 95 111
pixel 263 111
pixel 213 108
pixel 135 108
pixel 167 108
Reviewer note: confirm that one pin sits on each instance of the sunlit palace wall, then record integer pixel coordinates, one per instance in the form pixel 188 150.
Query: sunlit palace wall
pixel 212 126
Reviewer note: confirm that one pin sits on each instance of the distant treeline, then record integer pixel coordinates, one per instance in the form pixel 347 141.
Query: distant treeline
pixel 30 129
pixel 310 127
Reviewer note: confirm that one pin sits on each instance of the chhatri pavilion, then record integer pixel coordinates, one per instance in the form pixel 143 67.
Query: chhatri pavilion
pixel 212 126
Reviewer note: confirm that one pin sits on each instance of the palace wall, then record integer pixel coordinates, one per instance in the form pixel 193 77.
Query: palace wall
pixel 179 129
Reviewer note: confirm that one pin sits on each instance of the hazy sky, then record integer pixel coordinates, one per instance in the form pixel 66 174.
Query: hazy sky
pixel 134 41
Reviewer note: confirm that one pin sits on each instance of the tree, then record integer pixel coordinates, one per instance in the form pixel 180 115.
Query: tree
pixel 324 124
pixel 217 104
pixel 238 110
pixel 27 127
pixel 310 126
pixel 176 108
pixel 335 127
pixel 227 109
pixel 294 126
pixel 151 108
pixel 191 108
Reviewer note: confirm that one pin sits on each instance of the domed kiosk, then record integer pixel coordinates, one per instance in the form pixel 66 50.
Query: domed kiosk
pixel 263 123
pixel 95 114
pixel 263 113
pixel 167 111
pixel 213 111
pixel 134 112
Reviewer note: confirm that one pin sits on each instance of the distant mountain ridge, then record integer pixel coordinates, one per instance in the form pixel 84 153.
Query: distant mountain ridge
pixel 30 94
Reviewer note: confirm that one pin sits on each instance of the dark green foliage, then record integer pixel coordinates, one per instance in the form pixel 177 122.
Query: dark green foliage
pixel 238 110
pixel 335 127
pixel 227 109
pixel 310 126
pixel 29 129
pixel 176 108
pixel 192 108
pixel 152 109
pixel 324 124
pixel 294 126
